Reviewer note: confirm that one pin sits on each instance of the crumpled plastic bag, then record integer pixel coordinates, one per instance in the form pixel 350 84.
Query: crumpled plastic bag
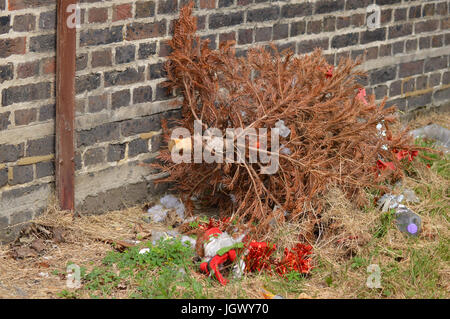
pixel 158 213
pixel 436 132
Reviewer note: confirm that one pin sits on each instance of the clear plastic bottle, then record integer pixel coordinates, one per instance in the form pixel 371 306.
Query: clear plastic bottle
pixel 408 221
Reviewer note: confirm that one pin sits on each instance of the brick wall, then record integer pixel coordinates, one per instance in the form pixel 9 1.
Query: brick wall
pixel 121 46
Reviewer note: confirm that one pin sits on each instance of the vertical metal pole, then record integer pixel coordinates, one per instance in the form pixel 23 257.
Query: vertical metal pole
pixel 65 104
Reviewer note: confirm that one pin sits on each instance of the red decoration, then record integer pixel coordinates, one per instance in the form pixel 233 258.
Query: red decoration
pixel 405 153
pixel 258 257
pixel 385 165
pixel 294 260
pixel 329 73
pixel 362 95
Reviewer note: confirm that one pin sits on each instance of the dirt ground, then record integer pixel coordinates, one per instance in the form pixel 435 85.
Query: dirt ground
pixel 411 268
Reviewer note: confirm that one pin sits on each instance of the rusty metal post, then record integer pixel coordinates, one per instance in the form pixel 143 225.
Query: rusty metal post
pixel 65 103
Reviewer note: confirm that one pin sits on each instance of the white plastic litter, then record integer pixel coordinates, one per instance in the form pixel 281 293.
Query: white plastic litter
pixel 144 251
pixel 436 132
pixel 238 269
pixel 158 213
pixel 284 150
pixel 223 240
pixel 188 239
pixel 389 201
pixel 410 196
pixel 284 130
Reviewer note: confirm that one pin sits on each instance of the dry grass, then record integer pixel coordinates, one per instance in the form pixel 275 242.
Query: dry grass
pixel 346 246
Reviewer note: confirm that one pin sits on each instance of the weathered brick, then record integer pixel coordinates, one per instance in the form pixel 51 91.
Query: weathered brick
pixel 442 95
pixel 417 101
pixel 263 34
pixel 327 6
pixel 140 125
pixel 395 88
pixel 355 4
pixel 400 14
pixel 25 4
pixel 436 63
pixel 426 26
pixel 382 75
pixel 145 9
pixel 220 20
pixel 43 43
pixel 10 47
pixel 47 20
pixel 127 76
pixel 97 15
pixel 441 8
pixel 136 147
pixel 408 86
pixel 165 49
pixel 95 37
pixel 207 4
pixel 225 3
pixel 298 28
pixel 22 174
pixel 87 82
pixel 161 92
pixel 98 134
pixel 6 72
pixel 421 82
pixel 400 30
pixel 428 10
pixel 116 152
pixel 5 22
pixel 309 45
pixel 81 62
pixel 24 23
pixel 121 12
pixel 343 22
pixel 424 43
pixel 49 65
pixel 380 91
pixel 445 23
pixel 47 112
pixel 280 31
pixel 4 120
pixel 229 36
pixel 146 50
pixel 437 41
pixel 24 117
pixel 411 45
pixel 446 78
pixel 296 10
pixel 125 54
pixel 142 94
pixel 329 24
pixel 435 79
pixel 139 31
pixel 94 156
pixel 26 93
pixel 2 7
pixel 415 12
pixel 3 177
pixel 98 103
pixel 400 103
pixel 157 71
pixel 101 58
pixel 45 169
pixel 167 6
pixel 11 153
pixel 345 40
pixel 120 98
pixel 314 27
pixel 385 50
pixel 245 36
pixel 398 47
pixel 41 146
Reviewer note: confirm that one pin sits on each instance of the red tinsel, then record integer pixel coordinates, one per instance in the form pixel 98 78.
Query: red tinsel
pixel 222 224
pixel 295 260
pixel 259 258
pixel 384 165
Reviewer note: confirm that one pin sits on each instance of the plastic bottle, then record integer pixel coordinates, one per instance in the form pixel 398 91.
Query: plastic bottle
pixel 408 221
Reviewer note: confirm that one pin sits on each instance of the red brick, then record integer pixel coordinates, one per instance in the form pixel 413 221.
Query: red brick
pixel 28 69
pixel 207 4
pixel 49 66
pixel 121 12
pixel 12 46
pixel 98 15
